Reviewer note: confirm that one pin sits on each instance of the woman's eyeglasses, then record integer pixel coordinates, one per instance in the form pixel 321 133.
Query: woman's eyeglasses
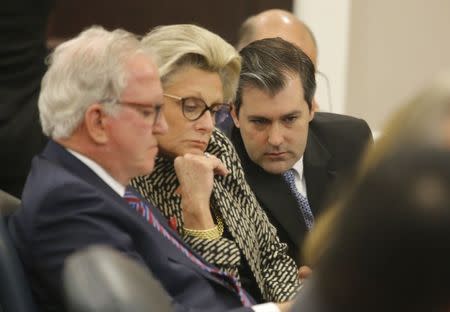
pixel 193 108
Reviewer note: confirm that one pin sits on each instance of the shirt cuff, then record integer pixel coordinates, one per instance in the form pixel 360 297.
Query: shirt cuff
pixel 266 307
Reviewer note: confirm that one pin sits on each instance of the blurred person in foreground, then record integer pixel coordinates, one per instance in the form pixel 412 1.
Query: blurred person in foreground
pixel 423 119
pixel 198 182
pixel 388 247
pixel 100 96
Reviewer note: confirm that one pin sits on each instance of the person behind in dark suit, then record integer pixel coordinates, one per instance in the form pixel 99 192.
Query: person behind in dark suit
pixel 291 155
pixel 390 239
pixel 100 104
pixel 278 23
pixel 22 65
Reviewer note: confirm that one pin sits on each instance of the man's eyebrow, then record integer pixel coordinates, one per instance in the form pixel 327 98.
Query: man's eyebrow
pixel 258 116
pixel 295 112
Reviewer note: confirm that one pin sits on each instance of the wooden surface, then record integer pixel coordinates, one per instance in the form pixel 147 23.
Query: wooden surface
pixel 139 16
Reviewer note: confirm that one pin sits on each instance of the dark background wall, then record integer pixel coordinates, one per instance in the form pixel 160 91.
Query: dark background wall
pixel 139 16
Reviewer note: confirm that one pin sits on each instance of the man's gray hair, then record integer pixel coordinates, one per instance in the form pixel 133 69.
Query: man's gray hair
pixel 82 71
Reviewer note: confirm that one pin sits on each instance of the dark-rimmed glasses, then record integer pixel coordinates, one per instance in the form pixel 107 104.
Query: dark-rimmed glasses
pixel 150 113
pixel 193 108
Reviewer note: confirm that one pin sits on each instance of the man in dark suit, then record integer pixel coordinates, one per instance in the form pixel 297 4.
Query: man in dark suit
pixel 291 155
pixel 100 104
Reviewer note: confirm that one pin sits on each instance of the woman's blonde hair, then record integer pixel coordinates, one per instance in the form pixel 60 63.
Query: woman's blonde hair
pixel 177 46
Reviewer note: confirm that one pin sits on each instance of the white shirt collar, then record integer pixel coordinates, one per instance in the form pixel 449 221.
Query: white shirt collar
pixel 298 167
pixel 102 173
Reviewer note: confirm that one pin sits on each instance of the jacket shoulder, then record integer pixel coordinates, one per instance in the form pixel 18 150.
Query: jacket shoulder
pixel 337 121
pixel 340 128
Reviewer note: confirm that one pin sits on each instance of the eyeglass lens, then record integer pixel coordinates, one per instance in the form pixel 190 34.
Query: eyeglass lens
pixel 194 108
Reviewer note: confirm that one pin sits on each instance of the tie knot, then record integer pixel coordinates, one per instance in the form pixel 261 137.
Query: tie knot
pixel 289 175
pixel 136 203
pixel 130 192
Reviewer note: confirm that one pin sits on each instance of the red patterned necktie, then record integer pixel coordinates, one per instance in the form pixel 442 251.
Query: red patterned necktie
pixel 229 281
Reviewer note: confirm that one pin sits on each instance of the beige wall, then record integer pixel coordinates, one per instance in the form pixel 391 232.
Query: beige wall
pixel 330 22
pixel 395 47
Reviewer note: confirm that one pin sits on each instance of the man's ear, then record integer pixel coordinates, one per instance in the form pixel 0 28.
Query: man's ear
pixel 95 121
pixel 312 111
pixel 234 115
pixel 315 106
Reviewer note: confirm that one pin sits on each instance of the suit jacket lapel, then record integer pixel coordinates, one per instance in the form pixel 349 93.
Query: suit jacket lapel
pixel 56 152
pixel 318 171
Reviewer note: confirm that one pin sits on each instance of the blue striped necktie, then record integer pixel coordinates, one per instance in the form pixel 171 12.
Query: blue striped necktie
pixel 229 281
pixel 302 201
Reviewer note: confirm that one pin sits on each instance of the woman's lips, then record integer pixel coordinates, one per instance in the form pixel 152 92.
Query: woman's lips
pixel 201 144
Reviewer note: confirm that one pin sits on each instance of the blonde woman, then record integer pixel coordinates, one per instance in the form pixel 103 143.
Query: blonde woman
pixel 198 182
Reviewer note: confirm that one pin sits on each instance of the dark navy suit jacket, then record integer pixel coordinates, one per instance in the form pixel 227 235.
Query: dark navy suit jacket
pixel 67 207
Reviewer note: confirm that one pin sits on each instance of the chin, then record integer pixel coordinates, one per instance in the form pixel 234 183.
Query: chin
pixel 181 151
pixel 275 168
pixel 148 169
pixel 275 171
pixel 194 151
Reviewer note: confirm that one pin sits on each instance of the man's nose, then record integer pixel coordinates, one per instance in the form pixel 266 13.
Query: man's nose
pixel 275 135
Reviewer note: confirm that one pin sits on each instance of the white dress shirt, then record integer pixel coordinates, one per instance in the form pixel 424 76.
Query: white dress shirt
pixel 300 181
pixel 102 173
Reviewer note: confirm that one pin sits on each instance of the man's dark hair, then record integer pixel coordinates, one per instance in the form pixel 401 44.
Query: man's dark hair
pixel 268 63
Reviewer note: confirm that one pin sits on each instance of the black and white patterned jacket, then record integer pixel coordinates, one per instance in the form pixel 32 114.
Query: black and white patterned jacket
pixel 252 234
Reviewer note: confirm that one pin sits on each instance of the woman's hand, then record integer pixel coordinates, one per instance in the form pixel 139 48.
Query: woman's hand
pixel 196 176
